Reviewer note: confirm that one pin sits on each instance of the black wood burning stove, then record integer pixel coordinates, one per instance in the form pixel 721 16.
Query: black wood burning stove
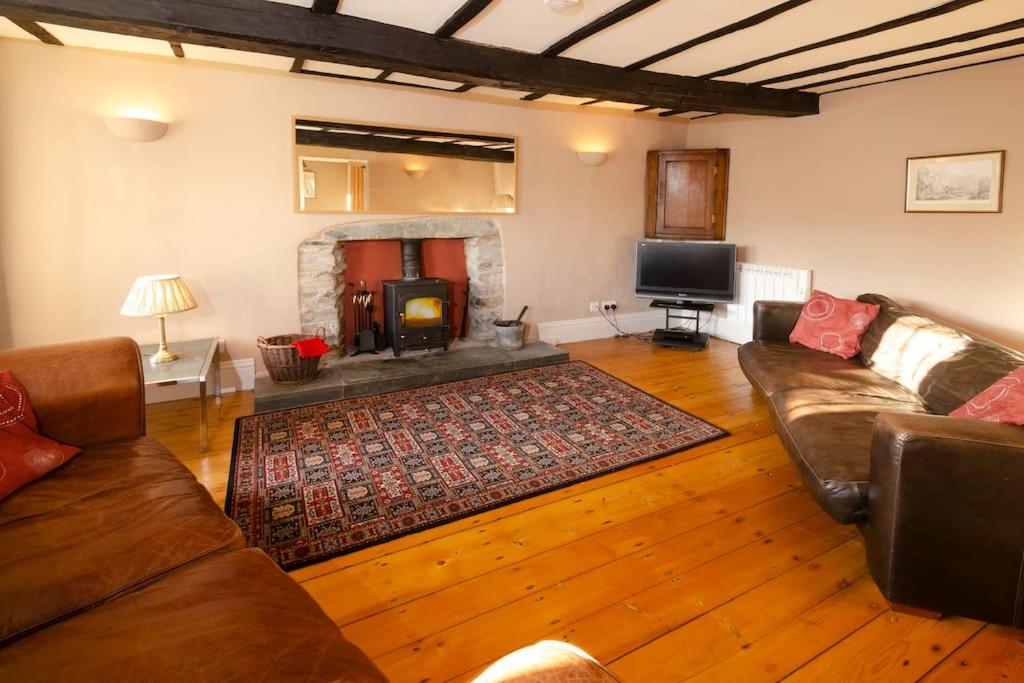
pixel 416 309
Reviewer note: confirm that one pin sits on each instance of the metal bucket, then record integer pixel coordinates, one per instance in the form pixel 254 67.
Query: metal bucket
pixel 509 334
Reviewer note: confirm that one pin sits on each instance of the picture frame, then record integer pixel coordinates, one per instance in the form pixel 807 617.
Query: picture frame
pixel 955 183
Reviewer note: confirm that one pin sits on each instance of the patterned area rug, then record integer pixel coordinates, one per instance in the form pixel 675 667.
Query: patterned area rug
pixel 315 482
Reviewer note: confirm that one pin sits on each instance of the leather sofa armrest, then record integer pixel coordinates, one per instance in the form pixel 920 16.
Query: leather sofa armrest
pixel 774 320
pixel 945 529
pixel 83 393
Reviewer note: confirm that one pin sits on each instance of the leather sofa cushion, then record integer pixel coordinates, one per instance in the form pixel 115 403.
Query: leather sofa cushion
pixel 231 616
pixel 114 518
pixel 944 364
pixel 777 366
pixel 828 434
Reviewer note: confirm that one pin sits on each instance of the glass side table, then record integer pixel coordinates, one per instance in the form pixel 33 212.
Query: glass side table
pixel 197 362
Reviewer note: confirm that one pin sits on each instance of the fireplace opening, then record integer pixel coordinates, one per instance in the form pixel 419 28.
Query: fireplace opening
pixel 369 263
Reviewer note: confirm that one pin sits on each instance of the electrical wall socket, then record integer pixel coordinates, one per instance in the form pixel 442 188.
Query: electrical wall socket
pixel 607 305
pixel 595 306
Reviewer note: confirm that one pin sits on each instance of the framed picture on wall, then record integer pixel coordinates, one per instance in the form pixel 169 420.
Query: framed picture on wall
pixel 956 183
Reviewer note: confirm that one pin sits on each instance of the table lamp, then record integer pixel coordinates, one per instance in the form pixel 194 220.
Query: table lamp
pixel 159 296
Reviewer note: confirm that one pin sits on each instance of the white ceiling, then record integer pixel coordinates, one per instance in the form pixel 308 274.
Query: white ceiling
pixel 528 25
pixel 219 54
pixel 663 25
pixel 8 29
pixel 421 15
pixel 78 37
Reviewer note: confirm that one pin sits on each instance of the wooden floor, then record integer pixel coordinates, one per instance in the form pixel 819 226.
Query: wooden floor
pixel 711 565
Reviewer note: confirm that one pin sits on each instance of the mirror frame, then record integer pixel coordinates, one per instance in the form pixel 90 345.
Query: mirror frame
pixel 296 199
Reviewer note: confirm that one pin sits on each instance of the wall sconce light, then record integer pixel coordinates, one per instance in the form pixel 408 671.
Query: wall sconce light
pixel 416 172
pixel 591 158
pixel 136 129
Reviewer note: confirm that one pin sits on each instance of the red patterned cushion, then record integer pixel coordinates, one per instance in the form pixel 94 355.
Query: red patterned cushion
pixel 833 325
pixel 25 455
pixel 1001 402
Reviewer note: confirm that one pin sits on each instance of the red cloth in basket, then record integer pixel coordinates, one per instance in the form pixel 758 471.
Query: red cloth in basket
pixel 314 347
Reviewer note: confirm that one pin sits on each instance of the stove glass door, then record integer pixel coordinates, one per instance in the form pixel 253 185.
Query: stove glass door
pixel 421 311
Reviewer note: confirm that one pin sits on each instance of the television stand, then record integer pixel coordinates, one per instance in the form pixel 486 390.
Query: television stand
pixel 682 338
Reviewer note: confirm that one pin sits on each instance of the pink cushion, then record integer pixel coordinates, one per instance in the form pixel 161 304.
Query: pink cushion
pixel 833 325
pixel 1001 402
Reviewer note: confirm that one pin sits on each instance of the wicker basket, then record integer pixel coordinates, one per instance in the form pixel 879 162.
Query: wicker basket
pixel 283 361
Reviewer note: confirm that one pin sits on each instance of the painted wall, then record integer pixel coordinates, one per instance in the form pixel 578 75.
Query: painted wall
pixel 213 199
pixel 827 193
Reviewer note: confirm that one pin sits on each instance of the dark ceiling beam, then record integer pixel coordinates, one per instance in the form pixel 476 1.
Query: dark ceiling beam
pixel 920 62
pixel 601 23
pixel 941 42
pixel 415 132
pixel 36 30
pixel 178 51
pixel 374 143
pixel 280 29
pixel 927 73
pixel 752 20
pixel 327 7
pixel 465 14
pixel 930 13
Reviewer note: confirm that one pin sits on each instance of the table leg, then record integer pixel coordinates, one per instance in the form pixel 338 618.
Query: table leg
pixel 203 431
pixel 220 380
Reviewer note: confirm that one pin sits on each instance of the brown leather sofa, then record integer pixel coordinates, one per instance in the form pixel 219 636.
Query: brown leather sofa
pixel 940 500
pixel 120 566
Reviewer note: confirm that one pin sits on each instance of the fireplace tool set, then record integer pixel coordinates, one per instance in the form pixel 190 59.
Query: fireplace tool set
pixel 368 337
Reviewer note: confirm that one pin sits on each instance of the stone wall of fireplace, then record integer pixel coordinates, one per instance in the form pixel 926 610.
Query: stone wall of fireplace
pixel 322 269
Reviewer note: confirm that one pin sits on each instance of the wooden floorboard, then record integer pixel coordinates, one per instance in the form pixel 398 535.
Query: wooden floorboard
pixel 712 564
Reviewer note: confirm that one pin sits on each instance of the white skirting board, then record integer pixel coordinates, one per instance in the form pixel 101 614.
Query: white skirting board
pixel 735 322
pixel 596 327
pixel 236 375
pixel 732 322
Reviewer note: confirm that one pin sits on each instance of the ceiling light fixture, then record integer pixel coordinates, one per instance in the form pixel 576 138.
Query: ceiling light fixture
pixel 566 7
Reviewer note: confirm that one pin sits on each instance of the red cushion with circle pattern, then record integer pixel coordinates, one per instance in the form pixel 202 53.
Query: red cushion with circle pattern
pixel 1001 402
pixel 833 325
pixel 25 455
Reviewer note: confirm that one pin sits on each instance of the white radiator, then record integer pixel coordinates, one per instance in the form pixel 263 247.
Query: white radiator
pixel 735 322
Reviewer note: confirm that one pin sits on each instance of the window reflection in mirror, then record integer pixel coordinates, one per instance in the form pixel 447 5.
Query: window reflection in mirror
pixel 348 167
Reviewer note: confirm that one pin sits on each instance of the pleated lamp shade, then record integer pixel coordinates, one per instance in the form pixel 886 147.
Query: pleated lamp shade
pixel 158 295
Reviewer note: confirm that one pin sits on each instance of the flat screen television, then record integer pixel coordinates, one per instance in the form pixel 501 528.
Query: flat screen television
pixel 686 271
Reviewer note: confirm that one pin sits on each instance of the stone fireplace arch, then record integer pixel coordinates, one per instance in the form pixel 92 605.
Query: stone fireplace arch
pixel 322 268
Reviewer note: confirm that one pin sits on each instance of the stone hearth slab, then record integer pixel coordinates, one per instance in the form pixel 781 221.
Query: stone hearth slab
pixel 366 375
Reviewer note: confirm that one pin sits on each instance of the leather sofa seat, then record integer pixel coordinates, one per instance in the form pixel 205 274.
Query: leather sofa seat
pixel 230 616
pixel 116 517
pixel 937 498
pixel 773 366
pixel 120 566
pixel 829 432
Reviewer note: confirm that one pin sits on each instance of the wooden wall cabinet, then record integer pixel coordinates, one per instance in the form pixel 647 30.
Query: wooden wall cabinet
pixel 687 193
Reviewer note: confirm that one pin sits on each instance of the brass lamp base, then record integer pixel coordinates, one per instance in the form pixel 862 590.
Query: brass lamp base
pixel 163 354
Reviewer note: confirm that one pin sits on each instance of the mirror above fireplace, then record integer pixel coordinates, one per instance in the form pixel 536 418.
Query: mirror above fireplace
pixel 354 167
